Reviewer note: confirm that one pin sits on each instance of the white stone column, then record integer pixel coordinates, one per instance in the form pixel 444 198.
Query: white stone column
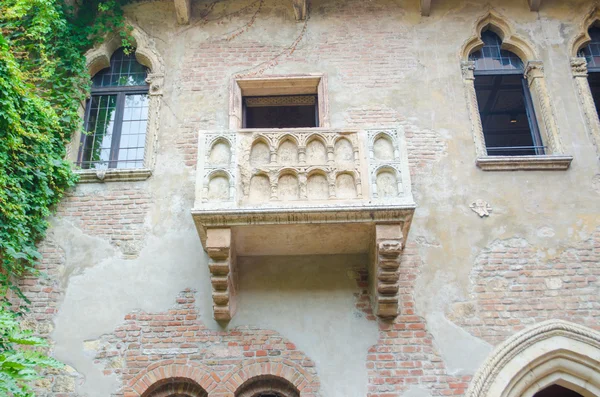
pixel 580 74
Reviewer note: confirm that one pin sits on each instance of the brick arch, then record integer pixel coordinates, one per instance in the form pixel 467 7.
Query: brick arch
pixel 304 383
pixel 179 387
pixel 257 385
pixel 166 371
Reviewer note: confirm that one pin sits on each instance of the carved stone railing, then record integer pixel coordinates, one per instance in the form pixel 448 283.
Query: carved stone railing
pixel 301 192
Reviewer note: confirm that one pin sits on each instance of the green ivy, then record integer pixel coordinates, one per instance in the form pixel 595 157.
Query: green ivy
pixel 43 86
pixel 22 355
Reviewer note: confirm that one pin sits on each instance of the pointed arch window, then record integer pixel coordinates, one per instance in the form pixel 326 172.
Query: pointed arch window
pixel 591 53
pixel 506 108
pixel 116 116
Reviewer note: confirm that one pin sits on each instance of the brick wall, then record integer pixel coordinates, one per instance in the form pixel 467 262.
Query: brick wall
pixel 375 59
pixel 178 338
pixel 116 214
pixel 512 288
pixel 515 285
pixel 405 355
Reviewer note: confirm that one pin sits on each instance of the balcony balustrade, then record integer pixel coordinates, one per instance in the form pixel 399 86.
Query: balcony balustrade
pixel 303 192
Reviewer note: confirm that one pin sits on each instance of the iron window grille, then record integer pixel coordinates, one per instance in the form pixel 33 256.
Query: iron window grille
pixel 280 111
pixel 505 105
pixel 116 116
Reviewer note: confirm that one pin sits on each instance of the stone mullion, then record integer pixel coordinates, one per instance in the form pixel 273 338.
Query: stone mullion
pixel 580 74
pixel 534 73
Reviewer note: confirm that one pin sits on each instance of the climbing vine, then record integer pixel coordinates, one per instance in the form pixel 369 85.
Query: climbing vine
pixel 43 84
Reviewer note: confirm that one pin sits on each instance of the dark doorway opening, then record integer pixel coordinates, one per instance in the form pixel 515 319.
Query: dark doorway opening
pixel 283 111
pixel 557 391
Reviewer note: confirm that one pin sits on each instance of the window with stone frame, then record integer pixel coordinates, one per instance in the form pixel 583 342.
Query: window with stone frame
pixel 294 101
pixel 116 116
pixel 506 108
pixel 512 117
pixel 591 53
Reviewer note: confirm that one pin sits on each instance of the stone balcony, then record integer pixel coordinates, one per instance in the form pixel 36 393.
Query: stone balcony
pixel 303 192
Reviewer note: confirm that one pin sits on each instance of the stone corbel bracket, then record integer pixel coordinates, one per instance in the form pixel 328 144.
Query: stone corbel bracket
pixel 389 225
pixel 385 271
pixel 219 247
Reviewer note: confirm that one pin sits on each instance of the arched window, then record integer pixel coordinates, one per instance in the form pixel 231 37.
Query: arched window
pixel 267 386
pixel 175 387
pixel 591 53
pixel 507 113
pixel 116 116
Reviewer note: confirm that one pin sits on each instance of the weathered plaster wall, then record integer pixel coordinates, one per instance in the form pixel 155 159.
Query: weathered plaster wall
pixel 120 249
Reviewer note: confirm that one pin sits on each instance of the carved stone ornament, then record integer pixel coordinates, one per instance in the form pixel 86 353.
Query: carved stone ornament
pixel 222 272
pixel 534 69
pixel 101 173
pixel 481 208
pixel 155 80
pixel 579 67
pixel 389 244
pixel 468 70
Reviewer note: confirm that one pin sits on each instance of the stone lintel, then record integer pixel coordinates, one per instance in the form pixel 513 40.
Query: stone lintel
pixel 300 9
pixel 183 9
pixel 222 270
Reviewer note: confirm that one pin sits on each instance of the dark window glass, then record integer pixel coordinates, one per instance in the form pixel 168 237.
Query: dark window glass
pixel 505 105
pixel 492 57
pixel 592 51
pixel 116 116
pixel 592 54
pixel 594 80
pixel 285 111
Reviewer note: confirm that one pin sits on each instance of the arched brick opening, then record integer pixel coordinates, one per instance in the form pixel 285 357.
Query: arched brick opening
pixel 267 385
pixel 165 373
pixel 303 383
pixel 175 387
